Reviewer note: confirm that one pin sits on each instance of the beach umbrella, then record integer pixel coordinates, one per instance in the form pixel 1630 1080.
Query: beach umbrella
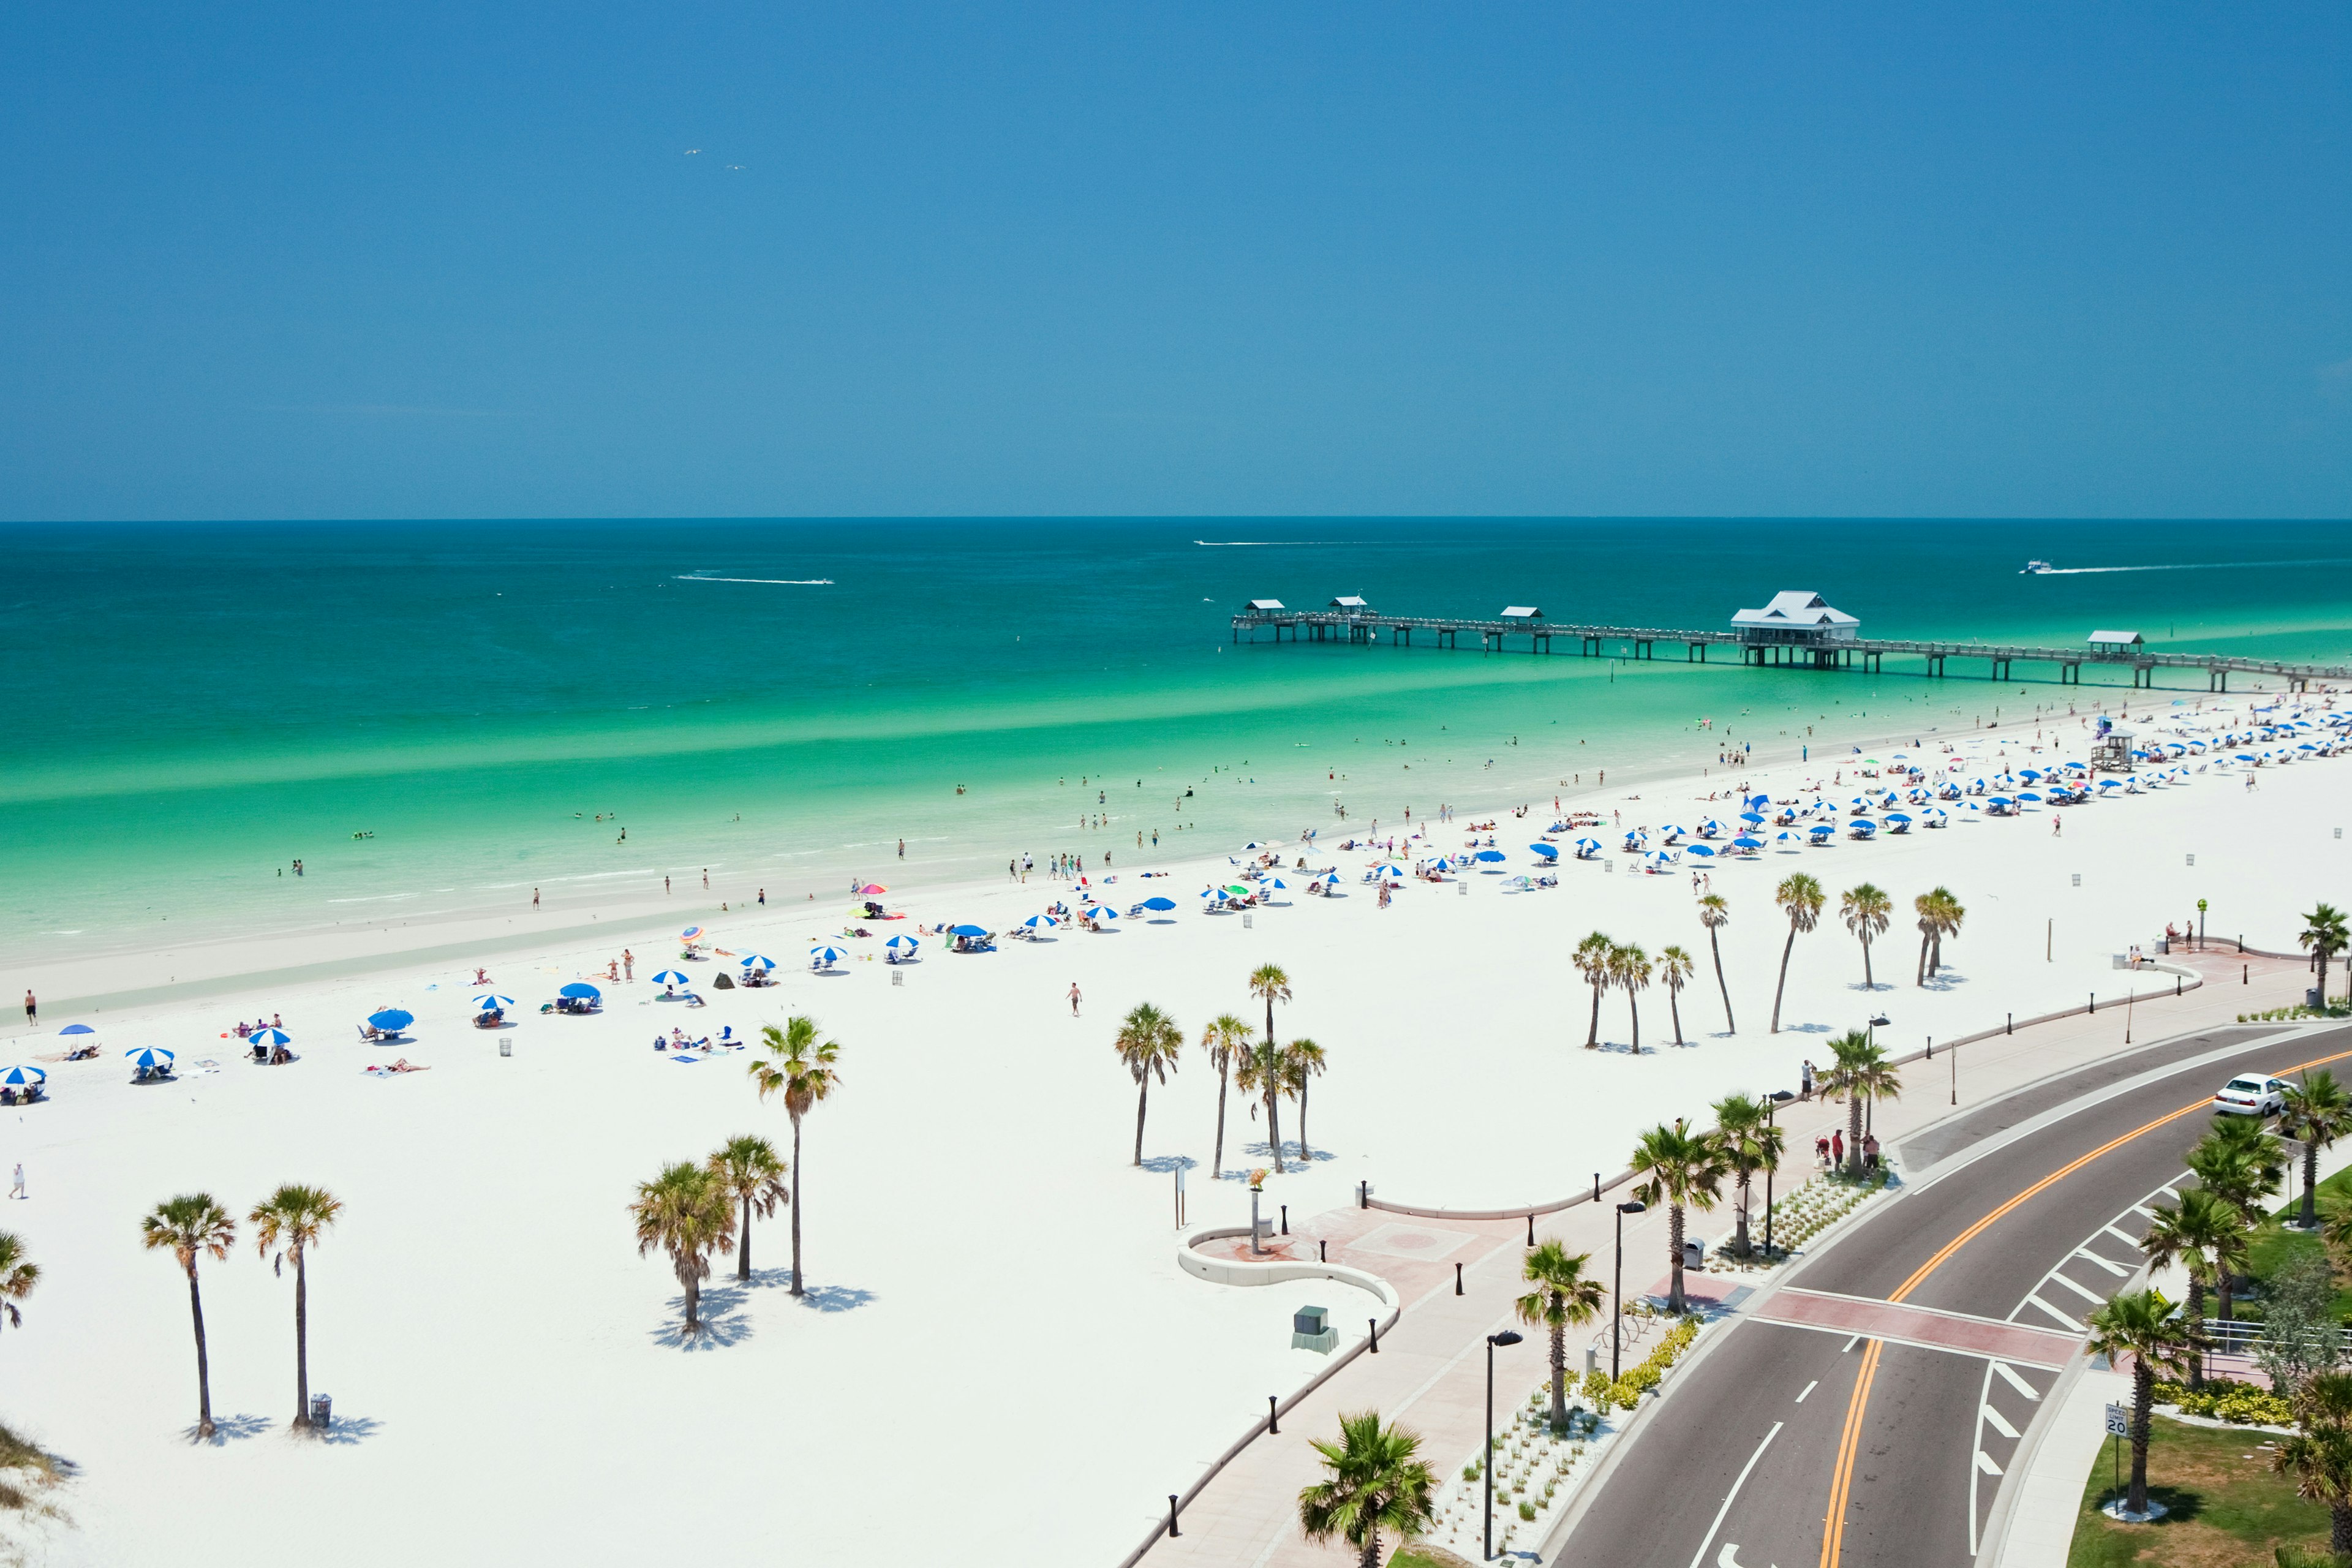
pixel 1658 859
pixel 490 1003
pixel 392 1020
pixel 690 933
pixel 1036 922
pixel 1671 832
pixel 967 931
pixel 271 1037
pixel 147 1059
pixel 902 945
pixel 1755 800
pixel 1393 873
pixel 1894 816
pixel 1789 836
pixel 825 957
pixel 1214 895
pixel 752 960
pixel 1821 831
pixel 2029 794
pixel 1587 847
pixel 1488 856
pixel 1236 890
pixel 1701 851
pixel 1331 879
pixel 1862 826
pixel 21 1077
pixel 1163 905
pixel 1746 842
pixel 872 889
pixel 78 1035
pixel 1548 852
pixel 1753 819
pixel 673 977
pixel 581 991
pixel 1102 912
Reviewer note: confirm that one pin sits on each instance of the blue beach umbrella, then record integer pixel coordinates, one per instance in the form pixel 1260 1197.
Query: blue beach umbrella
pixel 967 931
pixel 1488 856
pixel 1753 819
pixel 147 1059
pixel 1862 826
pixel 1745 841
pixel 270 1037
pixel 902 945
pixel 825 957
pixel 1164 905
pixel 2029 794
pixel 1104 913
pixel 756 961
pixel 1548 852
pixel 673 977
pixel 1587 847
pixel 580 991
pixel 1820 831
pixel 489 1003
pixel 1701 851
pixel 77 1034
pixel 392 1020
pixel 21 1077
pixel 1040 922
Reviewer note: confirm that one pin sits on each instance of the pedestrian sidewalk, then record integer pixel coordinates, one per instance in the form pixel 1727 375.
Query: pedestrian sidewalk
pixel 2049 1492
pixel 1431 1369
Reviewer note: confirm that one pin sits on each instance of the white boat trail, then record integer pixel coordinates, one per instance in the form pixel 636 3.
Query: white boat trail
pixel 779 581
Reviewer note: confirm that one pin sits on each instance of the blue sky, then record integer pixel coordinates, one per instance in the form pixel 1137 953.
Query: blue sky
pixel 435 260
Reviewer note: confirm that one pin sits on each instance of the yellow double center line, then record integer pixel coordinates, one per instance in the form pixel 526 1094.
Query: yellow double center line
pixel 1850 1441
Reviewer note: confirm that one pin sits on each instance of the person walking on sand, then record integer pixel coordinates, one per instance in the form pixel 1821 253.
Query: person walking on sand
pixel 664 883
pixel 32 1009
pixel 1074 998
pixel 19 1190
pixel 902 849
pixel 763 898
pixel 628 964
pixel 2057 827
pixel 706 878
pixel 535 898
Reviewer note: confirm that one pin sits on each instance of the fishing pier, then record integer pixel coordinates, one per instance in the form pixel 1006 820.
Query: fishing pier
pixel 1796 628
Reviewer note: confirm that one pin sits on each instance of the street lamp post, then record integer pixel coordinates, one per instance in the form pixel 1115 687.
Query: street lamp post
pixel 1771 1103
pixel 1617 1298
pixel 1487 1459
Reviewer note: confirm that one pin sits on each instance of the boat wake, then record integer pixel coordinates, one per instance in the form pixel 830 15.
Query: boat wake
pixel 2185 566
pixel 779 581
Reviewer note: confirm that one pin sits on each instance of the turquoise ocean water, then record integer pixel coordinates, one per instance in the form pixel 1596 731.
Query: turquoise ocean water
pixel 195 706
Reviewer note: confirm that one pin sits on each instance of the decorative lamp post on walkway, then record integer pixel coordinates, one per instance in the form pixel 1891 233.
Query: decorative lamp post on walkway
pixel 1617 1298
pixel 1487 1459
pixel 1257 1182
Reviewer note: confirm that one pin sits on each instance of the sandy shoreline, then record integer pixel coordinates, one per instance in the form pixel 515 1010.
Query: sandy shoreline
pixel 978 1241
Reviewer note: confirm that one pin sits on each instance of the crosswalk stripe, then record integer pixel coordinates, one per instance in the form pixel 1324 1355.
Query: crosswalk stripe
pixel 1994 1419
pixel 2084 1291
pixel 2016 1382
pixel 2038 1301
pixel 1984 1463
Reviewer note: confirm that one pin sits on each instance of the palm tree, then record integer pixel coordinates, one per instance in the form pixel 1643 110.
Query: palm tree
pixel 1800 899
pixel 802 1069
pixel 2240 1165
pixel 688 1212
pixel 187 1226
pixel 1674 974
pixel 1304 1059
pixel 2206 1235
pixel 1866 910
pixel 1375 1484
pixel 1930 924
pixel 1749 1140
pixel 1562 1299
pixel 1715 914
pixel 1262 1071
pixel 1681 1170
pixel 1629 971
pixel 1149 1042
pixel 18 1274
pixel 2325 934
pixel 1592 961
pixel 1949 913
pixel 1858 1068
pixel 2139 1324
pixel 1268 983
pixel 2318 1112
pixel 298 1216
pixel 751 1171
pixel 1225 1038
pixel 2320 1456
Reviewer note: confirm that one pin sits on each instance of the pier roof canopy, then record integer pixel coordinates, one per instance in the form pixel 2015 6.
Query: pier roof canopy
pixel 2114 641
pixel 1796 616
pixel 1351 603
pixel 1265 606
pixel 1521 612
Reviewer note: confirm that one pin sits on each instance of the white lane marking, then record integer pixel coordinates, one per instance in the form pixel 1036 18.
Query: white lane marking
pixel 2130 1241
pixel 2172 1192
pixel 2084 1291
pixel 1985 1463
pixel 1850 1344
pixel 2117 1269
pixel 2143 1208
pixel 1699 1556
pixel 1998 1422
pixel 2038 1301
pixel 1808 1388
pixel 1731 1558
pixel 2016 1382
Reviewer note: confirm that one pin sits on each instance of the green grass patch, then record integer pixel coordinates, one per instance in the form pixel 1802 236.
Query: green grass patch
pixel 2273 1244
pixel 1426 1557
pixel 2226 1509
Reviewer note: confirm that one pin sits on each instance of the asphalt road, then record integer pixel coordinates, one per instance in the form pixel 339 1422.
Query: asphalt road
pixel 1765 1458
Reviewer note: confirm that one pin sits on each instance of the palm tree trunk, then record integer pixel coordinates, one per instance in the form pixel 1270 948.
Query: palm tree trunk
pixel 2143 1396
pixel 2197 1320
pixel 1787 947
pixel 1674 1244
pixel 1372 1557
pixel 1559 1373
pixel 204 1362
pixel 1305 1154
pixel 1217 1169
pixel 1273 1127
pixel 688 1277
pixel 1921 979
pixel 301 1342
pixel 1143 1094
pixel 1936 956
pixel 1634 1004
pixel 1716 948
pixel 744 1248
pixel 1593 1035
pixel 1674 1005
pixel 1854 1130
pixel 2339 1527
pixel 2222 1289
pixel 796 1206
pixel 1868 983
pixel 2310 1178
pixel 1741 1239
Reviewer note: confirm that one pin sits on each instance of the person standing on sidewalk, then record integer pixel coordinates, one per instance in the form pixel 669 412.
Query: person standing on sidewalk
pixel 1805 1081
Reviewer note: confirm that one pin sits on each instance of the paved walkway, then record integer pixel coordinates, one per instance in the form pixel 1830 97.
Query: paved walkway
pixel 1431 1372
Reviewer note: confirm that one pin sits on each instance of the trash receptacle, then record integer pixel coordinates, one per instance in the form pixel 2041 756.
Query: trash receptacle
pixel 2310 998
pixel 506 1047
pixel 1693 1252
pixel 322 1410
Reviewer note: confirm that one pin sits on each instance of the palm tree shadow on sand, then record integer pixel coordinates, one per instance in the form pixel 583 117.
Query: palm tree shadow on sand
pixel 350 1429
pixel 724 1322
pixel 234 1428
pixel 1290 1153
pixel 1162 1163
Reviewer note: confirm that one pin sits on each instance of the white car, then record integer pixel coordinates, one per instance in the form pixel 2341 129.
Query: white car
pixel 2251 1097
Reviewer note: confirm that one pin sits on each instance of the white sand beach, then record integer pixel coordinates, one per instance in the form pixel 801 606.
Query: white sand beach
pixel 986 1268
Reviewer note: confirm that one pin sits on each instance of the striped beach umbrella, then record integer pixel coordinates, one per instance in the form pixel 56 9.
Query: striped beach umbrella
pixel 673 977
pixel 493 1004
pixel 22 1077
pixel 270 1037
pixel 147 1059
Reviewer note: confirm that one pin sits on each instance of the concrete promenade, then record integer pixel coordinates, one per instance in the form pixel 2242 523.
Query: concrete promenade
pixel 1431 1369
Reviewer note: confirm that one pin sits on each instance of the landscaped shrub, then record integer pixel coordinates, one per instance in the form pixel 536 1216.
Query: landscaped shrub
pixel 2240 1401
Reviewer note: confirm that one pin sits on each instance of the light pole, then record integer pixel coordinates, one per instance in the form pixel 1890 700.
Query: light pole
pixel 1870 1107
pixel 1617 1298
pixel 1487 1459
pixel 1771 1103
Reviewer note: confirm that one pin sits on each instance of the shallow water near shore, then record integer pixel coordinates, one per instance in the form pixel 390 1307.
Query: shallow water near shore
pixel 781 702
